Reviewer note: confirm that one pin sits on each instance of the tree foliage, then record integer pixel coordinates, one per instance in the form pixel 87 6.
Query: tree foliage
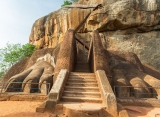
pixel 68 2
pixel 74 1
pixel 13 53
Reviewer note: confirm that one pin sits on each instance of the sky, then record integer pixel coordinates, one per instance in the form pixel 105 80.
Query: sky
pixel 18 16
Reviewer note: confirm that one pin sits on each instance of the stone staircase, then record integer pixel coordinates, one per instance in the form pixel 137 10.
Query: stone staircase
pixel 81 96
pixel 81 87
pixel 80 93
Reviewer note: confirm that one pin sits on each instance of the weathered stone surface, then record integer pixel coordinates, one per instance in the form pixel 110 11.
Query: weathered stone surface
pixel 55 25
pixel 28 62
pixel 120 80
pixel 139 102
pixel 50 59
pixel 124 14
pixel 15 69
pixel 56 90
pixel 140 84
pixel 81 110
pixel 67 53
pixel 38 73
pixel 145 45
pixel 99 55
pixel 55 93
pixel 32 71
pixel 107 92
pixel 128 25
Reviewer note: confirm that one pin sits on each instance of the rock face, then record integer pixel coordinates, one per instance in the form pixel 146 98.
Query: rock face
pixel 108 35
pixel 118 44
pixel 124 25
pixel 49 31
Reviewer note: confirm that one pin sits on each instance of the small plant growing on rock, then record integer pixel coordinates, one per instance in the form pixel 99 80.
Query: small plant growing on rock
pixel 66 2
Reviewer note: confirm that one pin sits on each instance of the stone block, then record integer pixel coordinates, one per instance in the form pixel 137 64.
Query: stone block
pixel 107 93
pixel 66 55
pixel 56 90
pixel 123 113
pixel 99 54
pixel 41 107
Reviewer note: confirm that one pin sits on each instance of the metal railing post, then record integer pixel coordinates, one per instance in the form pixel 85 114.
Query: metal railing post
pixel 20 90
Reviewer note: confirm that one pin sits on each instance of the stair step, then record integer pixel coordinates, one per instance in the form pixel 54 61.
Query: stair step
pixel 77 70
pixel 81 69
pixel 82 62
pixel 84 71
pixel 83 80
pixel 81 84
pixel 82 65
pixel 82 77
pixel 81 89
pixel 81 94
pixel 81 74
pixel 76 78
pixel 81 99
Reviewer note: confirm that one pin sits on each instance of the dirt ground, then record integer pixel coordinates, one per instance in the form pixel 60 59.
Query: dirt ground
pixel 21 109
pixel 27 109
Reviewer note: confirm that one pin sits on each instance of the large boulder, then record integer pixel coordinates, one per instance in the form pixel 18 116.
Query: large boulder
pixel 125 25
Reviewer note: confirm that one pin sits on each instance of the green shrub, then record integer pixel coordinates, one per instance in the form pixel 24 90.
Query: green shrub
pixel 66 2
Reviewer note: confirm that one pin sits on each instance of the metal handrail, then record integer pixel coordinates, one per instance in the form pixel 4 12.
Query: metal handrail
pixel 131 92
pixel 83 21
pixel 47 89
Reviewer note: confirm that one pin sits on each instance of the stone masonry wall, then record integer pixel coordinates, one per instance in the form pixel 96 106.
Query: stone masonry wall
pixel 99 54
pixel 67 54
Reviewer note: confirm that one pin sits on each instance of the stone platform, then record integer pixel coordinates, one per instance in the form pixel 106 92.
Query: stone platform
pixel 73 109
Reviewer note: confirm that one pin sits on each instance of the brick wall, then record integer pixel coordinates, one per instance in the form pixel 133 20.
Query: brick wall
pixel 67 53
pixel 97 55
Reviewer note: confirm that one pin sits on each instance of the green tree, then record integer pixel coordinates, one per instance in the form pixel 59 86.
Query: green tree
pixel 66 2
pixel 10 53
pixel 13 53
pixel 3 70
pixel 73 1
pixel 27 50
